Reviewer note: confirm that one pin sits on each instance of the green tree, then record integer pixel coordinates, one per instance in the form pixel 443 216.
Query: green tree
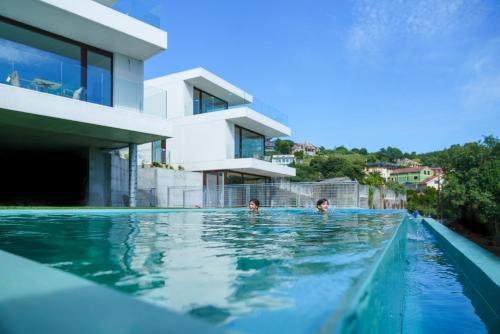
pixel 283 146
pixel 425 202
pixel 471 190
pixel 299 155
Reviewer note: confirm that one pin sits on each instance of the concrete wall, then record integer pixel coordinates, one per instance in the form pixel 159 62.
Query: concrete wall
pixel 98 182
pixel 107 179
pixel 118 193
pixel 157 181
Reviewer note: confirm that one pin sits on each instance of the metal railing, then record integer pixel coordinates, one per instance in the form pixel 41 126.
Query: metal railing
pixel 304 194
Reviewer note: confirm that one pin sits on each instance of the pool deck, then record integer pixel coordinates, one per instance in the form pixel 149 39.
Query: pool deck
pixel 35 298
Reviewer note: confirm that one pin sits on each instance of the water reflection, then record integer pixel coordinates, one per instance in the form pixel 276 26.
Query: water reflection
pixel 229 267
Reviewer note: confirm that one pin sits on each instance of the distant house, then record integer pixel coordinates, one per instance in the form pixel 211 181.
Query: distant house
pixel 411 175
pixel 437 170
pixel 407 163
pixel 383 168
pixel 433 182
pixel 283 159
pixel 308 149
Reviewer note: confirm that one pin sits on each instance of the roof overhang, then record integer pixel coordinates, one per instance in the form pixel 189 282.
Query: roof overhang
pixel 243 117
pixel 34 118
pixel 208 82
pixel 89 22
pixel 245 165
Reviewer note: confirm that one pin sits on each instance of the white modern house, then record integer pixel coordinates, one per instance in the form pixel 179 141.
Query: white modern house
pixel 71 92
pixel 215 129
pixel 283 159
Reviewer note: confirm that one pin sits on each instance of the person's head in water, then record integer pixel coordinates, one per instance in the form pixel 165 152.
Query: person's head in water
pixel 322 205
pixel 253 205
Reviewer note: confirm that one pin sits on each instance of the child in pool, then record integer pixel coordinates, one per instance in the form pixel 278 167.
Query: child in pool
pixel 322 205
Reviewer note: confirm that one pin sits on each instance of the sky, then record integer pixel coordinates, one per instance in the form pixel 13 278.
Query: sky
pixel 419 75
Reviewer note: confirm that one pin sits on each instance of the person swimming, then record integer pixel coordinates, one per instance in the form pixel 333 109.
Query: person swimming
pixel 253 205
pixel 322 205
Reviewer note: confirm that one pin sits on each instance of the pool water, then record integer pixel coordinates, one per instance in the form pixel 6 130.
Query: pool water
pixel 279 271
pixel 435 299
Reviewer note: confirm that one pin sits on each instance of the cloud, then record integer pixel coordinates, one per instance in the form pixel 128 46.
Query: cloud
pixel 376 21
pixel 14 53
pixel 483 87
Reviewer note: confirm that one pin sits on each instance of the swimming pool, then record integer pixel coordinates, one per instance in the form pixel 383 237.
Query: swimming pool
pixel 282 270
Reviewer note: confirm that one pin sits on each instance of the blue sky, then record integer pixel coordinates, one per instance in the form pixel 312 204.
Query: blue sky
pixel 419 75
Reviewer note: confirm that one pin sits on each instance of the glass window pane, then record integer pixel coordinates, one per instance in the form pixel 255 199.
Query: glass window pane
pixel 237 138
pixel 156 152
pixel 196 101
pixel 252 145
pixel 204 102
pixel 98 78
pixel 35 61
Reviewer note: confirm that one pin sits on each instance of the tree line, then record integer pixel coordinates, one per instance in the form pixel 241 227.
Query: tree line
pixel 471 185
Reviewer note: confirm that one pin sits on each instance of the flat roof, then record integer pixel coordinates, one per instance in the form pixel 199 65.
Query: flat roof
pixel 91 23
pixel 208 82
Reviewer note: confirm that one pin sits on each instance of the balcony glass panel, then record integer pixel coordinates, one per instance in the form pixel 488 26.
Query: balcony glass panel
pixel 39 61
pixel 98 78
pixel 35 61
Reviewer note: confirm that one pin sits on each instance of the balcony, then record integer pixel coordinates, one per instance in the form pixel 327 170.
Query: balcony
pixel 148 11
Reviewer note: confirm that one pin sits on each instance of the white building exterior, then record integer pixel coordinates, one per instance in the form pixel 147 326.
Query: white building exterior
pixel 71 84
pixel 283 159
pixel 213 129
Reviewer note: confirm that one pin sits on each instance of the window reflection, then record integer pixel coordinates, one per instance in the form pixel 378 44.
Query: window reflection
pixel 98 78
pixel 33 59
pixel 248 144
pixel 204 102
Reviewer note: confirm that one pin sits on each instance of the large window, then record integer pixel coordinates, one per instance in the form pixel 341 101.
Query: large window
pixel 34 59
pixel 248 144
pixel 204 102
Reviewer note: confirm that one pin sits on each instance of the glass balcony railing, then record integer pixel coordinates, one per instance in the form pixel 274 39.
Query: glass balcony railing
pixel 64 79
pixel 59 78
pixel 265 109
pixel 148 11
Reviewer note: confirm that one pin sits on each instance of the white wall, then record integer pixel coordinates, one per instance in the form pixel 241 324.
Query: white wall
pixel 128 88
pixel 196 142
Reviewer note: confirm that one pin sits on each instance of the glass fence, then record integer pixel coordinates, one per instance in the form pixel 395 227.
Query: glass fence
pixel 148 11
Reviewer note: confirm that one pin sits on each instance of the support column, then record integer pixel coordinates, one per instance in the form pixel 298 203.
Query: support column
pixel 132 175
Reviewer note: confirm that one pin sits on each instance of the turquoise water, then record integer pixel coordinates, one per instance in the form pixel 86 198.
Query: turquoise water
pixel 280 271
pixel 436 298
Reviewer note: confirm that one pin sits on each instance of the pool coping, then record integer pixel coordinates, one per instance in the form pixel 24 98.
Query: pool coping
pixel 35 298
pixel 479 266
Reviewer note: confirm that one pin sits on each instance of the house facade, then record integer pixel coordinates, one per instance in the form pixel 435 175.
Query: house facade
pixel 383 168
pixel 412 175
pixel 215 130
pixel 69 98
pixel 283 159
pixel 306 148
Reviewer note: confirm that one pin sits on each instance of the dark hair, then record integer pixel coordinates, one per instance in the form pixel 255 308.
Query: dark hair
pixel 255 201
pixel 321 201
